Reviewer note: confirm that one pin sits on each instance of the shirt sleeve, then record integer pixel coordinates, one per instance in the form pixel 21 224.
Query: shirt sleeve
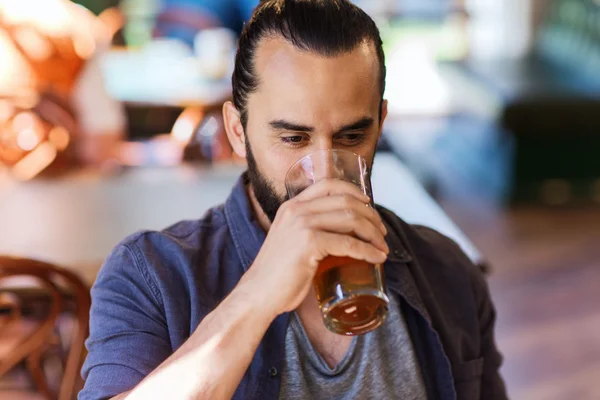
pixel 128 331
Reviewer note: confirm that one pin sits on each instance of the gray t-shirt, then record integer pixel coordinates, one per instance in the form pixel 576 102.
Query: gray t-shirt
pixel 378 365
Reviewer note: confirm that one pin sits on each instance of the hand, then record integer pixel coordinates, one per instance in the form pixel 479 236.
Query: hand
pixel 329 218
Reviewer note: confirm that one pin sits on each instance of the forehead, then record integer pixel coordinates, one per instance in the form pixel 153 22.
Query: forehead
pixel 287 75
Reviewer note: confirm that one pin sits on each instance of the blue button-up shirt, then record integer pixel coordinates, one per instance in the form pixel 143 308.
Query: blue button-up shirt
pixel 156 287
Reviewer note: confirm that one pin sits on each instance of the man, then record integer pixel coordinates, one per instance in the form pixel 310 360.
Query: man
pixel 222 307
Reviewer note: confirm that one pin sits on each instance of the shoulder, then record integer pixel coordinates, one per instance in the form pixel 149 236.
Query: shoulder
pixel 439 258
pixel 182 238
pixel 161 257
pixel 172 276
pixel 433 244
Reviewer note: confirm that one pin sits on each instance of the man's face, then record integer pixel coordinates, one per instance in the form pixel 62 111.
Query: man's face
pixel 305 103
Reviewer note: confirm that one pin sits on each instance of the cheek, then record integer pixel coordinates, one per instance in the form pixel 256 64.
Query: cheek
pixel 284 163
pixel 273 163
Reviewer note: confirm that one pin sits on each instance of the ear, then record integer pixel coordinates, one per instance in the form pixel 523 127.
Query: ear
pixel 384 114
pixel 234 129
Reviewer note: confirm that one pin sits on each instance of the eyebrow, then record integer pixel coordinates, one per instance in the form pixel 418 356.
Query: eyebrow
pixel 290 126
pixel 361 124
pixel 280 124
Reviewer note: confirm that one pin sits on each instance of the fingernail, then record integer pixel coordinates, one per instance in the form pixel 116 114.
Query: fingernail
pixel 383 255
pixel 383 229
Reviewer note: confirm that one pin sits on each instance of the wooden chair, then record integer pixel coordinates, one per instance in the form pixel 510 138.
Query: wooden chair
pixel 36 299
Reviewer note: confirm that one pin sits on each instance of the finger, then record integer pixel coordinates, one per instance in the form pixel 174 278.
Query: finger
pixel 353 207
pixel 335 244
pixel 332 187
pixel 349 223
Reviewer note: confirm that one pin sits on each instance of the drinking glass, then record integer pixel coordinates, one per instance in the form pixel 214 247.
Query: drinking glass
pixel 351 293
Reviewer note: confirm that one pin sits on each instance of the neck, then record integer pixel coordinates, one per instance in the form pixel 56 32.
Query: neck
pixel 260 215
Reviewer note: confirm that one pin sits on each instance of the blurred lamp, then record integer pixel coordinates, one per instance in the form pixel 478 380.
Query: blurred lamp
pixel 44 47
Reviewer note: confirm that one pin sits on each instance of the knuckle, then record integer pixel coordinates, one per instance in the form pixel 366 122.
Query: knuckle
pixel 352 244
pixel 319 187
pixel 304 221
pixel 290 207
pixel 347 200
pixel 374 233
pixel 284 207
pixel 310 237
pixel 375 215
pixel 351 214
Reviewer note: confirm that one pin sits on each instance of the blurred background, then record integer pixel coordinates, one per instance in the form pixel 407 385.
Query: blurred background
pixel 110 122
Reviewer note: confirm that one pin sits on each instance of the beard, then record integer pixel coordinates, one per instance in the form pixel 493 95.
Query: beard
pixel 263 190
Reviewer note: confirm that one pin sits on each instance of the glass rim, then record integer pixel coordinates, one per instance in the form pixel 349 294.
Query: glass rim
pixel 360 158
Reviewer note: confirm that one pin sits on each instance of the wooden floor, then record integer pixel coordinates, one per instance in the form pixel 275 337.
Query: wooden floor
pixel 546 286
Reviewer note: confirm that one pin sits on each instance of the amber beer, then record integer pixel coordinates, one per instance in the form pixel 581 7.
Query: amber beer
pixel 351 293
pixel 347 308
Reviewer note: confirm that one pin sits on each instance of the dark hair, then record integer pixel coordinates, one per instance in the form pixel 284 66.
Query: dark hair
pixel 326 27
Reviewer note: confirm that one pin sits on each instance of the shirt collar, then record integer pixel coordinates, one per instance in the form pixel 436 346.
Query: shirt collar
pixel 248 236
pixel 398 275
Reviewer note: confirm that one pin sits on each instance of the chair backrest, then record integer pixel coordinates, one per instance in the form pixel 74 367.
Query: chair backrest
pixel 61 292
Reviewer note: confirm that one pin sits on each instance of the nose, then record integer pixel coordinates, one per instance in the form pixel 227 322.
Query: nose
pixel 328 166
pixel 325 143
pixel 326 163
pixel 322 160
